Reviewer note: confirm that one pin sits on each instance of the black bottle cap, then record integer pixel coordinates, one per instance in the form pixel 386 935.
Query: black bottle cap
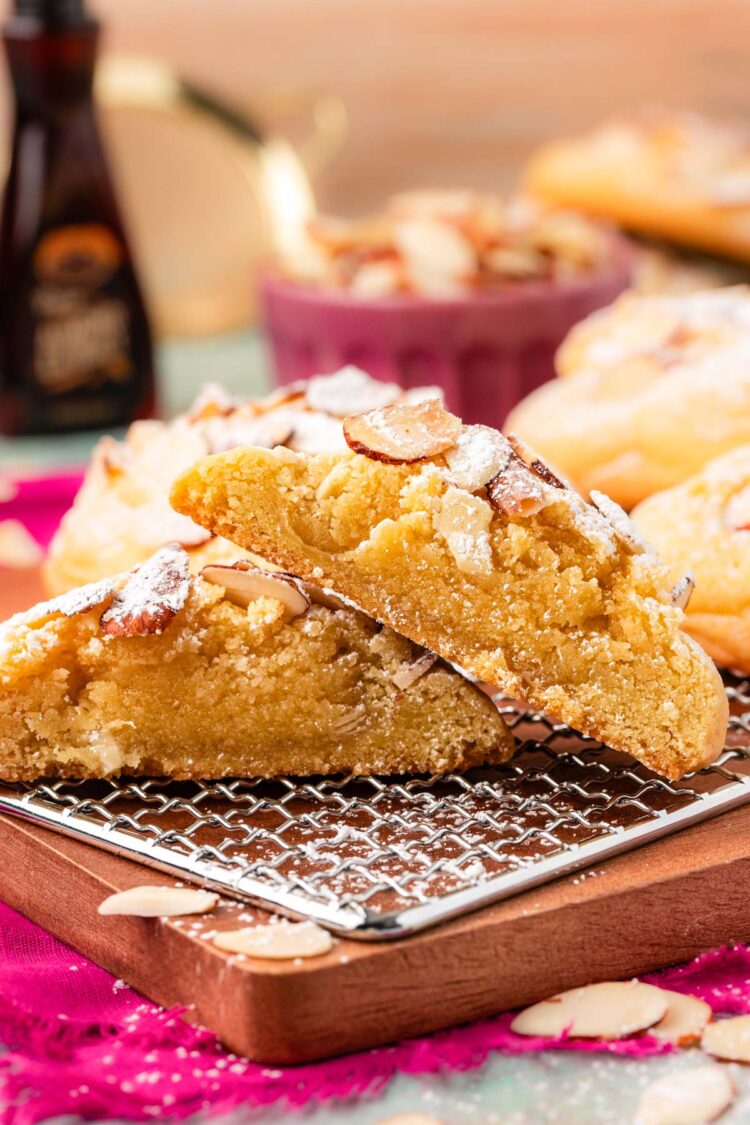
pixel 53 13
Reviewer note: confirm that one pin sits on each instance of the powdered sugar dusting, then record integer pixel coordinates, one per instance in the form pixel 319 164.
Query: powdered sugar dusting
pixel 75 601
pixel 349 391
pixel 480 453
pixel 151 597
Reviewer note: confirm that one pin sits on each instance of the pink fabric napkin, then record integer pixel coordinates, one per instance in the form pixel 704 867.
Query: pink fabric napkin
pixel 81 1042
pixel 40 502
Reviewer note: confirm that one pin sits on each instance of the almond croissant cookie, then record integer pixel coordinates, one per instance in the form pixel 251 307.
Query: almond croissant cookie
pixel 239 672
pixel 466 542
pixel 676 176
pixel 651 389
pixel 122 514
pixel 703 526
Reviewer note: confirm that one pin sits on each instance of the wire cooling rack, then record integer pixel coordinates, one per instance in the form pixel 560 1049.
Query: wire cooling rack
pixel 378 858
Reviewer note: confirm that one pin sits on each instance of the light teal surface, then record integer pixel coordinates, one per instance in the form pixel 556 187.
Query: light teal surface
pixel 556 1087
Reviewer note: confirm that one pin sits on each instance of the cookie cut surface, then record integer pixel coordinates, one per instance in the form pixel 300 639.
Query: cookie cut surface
pixel 540 597
pixel 191 685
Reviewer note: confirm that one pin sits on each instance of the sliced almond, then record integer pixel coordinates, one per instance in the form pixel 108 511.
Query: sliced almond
pixel 464 522
pixel 244 583
pixel 212 401
pixel 238 430
pixel 531 458
pixel 437 258
pixel 280 942
pixel 407 674
pixel 619 521
pixel 19 549
pixel 517 491
pixel 728 1039
pixel 159 902
pixel 685 1020
pixel 79 600
pixel 610 1010
pixel 480 453
pixel 403 432
pixel 114 456
pixel 682 591
pixel 349 391
pixel 516 261
pixel 687 1097
pixel 350 721
pixel 377 279
pixel 152 596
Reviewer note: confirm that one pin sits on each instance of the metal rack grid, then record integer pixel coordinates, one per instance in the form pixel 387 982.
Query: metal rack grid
pixel 377 858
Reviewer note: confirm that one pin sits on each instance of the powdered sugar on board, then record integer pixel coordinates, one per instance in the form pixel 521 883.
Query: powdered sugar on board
pixel 151 597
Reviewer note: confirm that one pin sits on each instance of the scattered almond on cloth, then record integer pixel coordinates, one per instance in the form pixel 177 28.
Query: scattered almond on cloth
pixel 159 902
pixel 687 1097
pixel 610 1010
pixel 728 1039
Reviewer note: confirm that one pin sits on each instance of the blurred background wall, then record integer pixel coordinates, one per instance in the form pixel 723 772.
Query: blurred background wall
pixel 442 92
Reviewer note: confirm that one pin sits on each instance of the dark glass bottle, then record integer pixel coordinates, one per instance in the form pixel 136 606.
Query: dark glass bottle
pixel 75 344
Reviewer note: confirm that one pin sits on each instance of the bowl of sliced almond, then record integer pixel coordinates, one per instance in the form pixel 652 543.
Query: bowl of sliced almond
pixel 450 288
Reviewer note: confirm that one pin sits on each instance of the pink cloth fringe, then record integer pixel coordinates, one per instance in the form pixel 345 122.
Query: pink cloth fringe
pixel 81 1042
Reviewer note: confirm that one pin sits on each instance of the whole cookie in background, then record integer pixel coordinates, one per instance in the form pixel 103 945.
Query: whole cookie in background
pixel 650 390
pixel 704 525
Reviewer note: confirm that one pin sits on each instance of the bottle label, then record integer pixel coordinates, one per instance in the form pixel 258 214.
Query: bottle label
pixel 82 333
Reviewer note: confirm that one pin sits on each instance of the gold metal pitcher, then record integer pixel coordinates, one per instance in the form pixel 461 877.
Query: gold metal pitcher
pixel 208 193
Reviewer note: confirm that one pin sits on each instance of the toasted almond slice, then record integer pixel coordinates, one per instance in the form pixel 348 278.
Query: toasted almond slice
pixel 517 491
pixel 152 596
pixel 244 583
pixel 349 391
pixel 328 598
pixel 687 1097
pixel 437 257
pixel 159 902
pixel 237 430
pixel 350 721
pixel 619 521
pixel 464 522
pixel 280 942
pixel 480 453
pixel 403 432
pixel 114 456
pixel 531 458
pixel 212 401
pixel 516 261
pixel 19 549
pixel 610 1010
pixel 685 1019
pixel 682 591
pixel 728 1039
pixel 407 674
pixel 377 279
pixel 79 600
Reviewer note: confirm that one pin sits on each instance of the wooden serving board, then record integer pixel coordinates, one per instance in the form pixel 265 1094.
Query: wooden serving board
pixel 660 904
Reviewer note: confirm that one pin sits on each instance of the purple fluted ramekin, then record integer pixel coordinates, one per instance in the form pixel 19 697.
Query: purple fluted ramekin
pixel 486 350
